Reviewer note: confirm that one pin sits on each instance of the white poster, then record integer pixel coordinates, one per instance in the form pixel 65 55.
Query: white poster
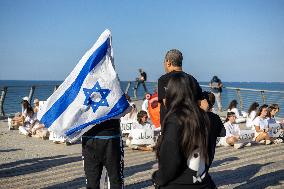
pixel 247 135
pixel 142 136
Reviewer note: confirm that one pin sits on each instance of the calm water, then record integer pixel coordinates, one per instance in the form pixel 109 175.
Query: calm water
pixel 18 89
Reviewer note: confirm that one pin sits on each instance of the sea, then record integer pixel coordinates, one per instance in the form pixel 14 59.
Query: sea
pixel 16 89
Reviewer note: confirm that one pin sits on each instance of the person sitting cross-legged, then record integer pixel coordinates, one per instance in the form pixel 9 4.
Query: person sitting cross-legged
pixel 141 128
pixel 261 126
pixel 232 130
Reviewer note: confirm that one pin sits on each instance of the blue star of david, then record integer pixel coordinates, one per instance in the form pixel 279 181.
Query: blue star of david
pixel 96 104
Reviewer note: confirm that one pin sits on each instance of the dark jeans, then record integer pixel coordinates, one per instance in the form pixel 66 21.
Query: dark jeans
pixel 103 152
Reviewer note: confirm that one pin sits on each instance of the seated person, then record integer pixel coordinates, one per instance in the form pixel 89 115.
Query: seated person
pixel 233 108
pixel 36 105
pixel 19 118
pixel 273 109
pixel 142 118
pixel 251 114
pixel 29 122
pixel 233 131
pixel 261 126
pixel 39 131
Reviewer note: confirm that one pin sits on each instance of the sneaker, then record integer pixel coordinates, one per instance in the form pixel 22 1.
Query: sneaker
pixel 248 144
pixel 135 148
pixel 262 142
pixel 238 145
pixel 277 141
pixel 267 142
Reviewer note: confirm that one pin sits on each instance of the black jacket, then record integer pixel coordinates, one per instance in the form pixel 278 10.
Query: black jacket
pixel 173 171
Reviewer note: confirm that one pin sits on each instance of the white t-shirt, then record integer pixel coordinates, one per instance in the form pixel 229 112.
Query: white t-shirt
pixel 250 118
pixel 232 129
pixel 236 111
pixel 261 122
pixel 145 105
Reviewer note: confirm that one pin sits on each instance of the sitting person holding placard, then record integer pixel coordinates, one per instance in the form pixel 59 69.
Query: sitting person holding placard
pixel 277 128
pixel 141 136
pixel 233 131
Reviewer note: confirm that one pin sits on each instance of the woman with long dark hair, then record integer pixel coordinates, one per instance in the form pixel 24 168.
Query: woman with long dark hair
pixel 183 150
pixel 251 114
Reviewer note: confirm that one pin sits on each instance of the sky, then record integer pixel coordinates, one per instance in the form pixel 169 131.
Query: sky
pixel 237 40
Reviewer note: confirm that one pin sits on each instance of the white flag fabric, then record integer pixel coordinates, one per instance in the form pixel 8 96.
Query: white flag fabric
pixel 89 95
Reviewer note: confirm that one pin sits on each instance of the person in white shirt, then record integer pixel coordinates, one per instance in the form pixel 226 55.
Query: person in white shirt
pixel 19 118
pixel 273 109
pixel 142 118
pixel 261 126
pixel 233 108
pixel 251 114
pixel 145 103
pixel 29 122
pixel 232 130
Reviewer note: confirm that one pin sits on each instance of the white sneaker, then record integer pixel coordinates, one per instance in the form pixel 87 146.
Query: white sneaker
pixel 267 142
pixel 248 144
pixel 262 142
pixel 278 141
pixel 238 145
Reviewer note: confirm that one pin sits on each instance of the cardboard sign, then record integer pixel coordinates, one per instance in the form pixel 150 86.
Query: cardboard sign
pixel 142 136
pixel 247 135
pixel 126 127
pixel 276 130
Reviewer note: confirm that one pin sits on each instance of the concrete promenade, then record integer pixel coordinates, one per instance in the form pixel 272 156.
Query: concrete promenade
pixel 34 163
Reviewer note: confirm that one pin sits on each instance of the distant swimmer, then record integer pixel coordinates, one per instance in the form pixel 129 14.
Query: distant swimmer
pixel 140 80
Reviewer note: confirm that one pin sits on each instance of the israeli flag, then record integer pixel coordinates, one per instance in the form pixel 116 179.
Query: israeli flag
pixel 89 95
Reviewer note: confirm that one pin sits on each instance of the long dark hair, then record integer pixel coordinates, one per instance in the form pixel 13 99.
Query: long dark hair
pixel 261 108
pixel 253 107
pixel 233 104
pixel 229 114
pixel 272 107
pixel 194 121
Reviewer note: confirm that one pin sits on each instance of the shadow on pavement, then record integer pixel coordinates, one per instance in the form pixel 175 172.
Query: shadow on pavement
pixel 34 165
pixel 73 184
pixel 239 175
pixel 11 150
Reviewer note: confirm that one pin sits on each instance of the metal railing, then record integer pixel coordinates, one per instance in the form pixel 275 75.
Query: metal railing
pixel 11 95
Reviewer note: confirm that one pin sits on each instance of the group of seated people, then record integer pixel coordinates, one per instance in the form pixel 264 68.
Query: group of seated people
pixel 259 124
pixel 26 121
pixel 260 121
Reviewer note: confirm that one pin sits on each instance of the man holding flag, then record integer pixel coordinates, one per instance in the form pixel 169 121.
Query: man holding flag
pixel 89 103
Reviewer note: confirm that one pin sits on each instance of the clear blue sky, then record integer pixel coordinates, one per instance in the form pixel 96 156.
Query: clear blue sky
pixel 238 40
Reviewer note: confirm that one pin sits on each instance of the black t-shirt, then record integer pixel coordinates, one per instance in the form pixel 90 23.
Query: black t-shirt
pixel 144 75
pixel 217 129
pixel 162 84
pixel 107 128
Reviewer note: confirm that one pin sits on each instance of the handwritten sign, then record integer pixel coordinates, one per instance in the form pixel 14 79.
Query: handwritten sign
pixel 126 127
pixel 276 130
pixel 247 135
pixel 142 136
